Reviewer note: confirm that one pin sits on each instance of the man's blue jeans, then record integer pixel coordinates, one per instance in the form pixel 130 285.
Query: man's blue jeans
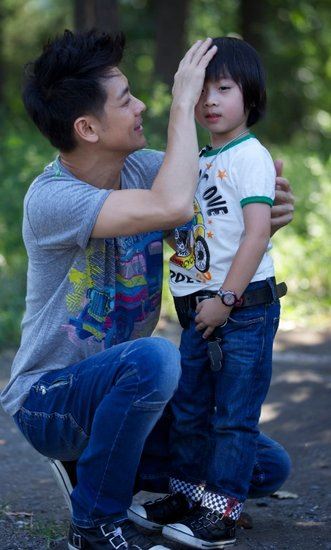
pixel 100 412
pixel 218 446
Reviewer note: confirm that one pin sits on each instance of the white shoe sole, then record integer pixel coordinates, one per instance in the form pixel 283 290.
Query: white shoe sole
pixel 189 540
pixel 63 481
pixel 156 547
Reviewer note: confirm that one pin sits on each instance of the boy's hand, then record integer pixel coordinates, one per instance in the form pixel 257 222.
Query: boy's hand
pixel 211 314
pixel 190 75
pixel 283 209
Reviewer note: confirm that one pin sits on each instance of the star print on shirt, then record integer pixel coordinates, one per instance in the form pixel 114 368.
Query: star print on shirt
pixel 209 165
pixel 210 222
pixel 210 235
pixel 222 174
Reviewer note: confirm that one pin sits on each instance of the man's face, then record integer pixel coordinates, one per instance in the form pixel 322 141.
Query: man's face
pixel 119 127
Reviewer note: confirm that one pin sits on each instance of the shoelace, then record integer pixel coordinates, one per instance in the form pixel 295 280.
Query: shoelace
pixel 170 501
pixel 160 499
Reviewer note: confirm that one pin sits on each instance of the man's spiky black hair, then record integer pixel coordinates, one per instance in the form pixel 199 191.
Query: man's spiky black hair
pixel 65 82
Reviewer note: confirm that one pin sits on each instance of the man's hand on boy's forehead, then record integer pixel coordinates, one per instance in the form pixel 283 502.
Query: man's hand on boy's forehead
pixel 189 78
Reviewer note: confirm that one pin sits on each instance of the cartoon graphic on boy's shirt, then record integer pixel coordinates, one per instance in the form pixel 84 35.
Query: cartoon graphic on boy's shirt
pixel 191 246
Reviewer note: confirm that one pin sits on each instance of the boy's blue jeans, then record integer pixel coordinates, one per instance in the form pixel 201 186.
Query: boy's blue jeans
pixel 221 446
pixel 100 411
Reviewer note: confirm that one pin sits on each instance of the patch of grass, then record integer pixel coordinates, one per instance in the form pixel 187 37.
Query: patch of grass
pixel 50 530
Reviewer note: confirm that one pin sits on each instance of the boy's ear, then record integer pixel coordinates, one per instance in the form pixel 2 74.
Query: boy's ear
pixel 85 129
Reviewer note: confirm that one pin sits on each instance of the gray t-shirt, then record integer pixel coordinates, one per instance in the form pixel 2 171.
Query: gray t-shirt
pixel 83 294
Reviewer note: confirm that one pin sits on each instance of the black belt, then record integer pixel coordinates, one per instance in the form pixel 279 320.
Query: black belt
pixel 263 295
pixel 249 298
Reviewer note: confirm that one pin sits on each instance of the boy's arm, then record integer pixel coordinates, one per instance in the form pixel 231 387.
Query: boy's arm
pixel 170 200
pixel 212 313
pixel 283 208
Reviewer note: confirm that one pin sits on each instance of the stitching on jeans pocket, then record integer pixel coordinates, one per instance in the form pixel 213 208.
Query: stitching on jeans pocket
pixel 27 417
pixel 246 322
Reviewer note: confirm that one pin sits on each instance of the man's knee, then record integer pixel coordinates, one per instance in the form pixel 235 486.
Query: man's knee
pixel 271 473
pixel 158 364
pixel 283 470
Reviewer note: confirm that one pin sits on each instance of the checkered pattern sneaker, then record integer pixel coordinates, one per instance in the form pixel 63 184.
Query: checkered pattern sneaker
pixel 123 536
pixel 190 490
pixel 226 506
pixel 204 529
pixel 153 515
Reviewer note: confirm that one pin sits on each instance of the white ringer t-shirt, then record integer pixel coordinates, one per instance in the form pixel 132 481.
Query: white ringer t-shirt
pixel 241 174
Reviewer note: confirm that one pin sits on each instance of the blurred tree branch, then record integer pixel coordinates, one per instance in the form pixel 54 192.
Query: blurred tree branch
pixel 170 20
pixel 99 14
pixel 252 20
pixel 2 72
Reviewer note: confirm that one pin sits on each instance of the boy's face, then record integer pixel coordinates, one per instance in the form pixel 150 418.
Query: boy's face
pixel 220 110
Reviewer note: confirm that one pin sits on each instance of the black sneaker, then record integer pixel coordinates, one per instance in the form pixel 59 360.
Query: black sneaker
pixel 203 529
pixel 154 515
pixel 122 536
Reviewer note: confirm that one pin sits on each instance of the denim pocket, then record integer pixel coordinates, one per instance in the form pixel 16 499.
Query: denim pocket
pixel 44 384
pixel 22 421
pixel 55 435
pixel 246 316
pixel 243 341
pixel 246 322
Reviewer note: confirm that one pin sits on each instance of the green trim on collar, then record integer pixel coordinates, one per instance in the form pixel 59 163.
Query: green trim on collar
pixel 251 200
pixel 213 152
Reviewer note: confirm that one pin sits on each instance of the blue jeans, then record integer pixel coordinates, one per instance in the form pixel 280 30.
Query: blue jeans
pixel 215 435
pixel 271 467
pixel 100 412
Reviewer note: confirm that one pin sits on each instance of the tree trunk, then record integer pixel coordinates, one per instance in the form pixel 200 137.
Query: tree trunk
pixel 2 71
pixel 96 14
pixel 252 15
pixel 170 19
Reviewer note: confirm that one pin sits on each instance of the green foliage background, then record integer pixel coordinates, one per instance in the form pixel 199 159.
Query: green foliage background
pixel 297 129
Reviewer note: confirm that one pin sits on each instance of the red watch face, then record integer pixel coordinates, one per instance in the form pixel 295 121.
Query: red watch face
pixel 229 298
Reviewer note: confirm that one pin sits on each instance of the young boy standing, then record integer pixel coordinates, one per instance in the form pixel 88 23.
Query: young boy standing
pixel 222 279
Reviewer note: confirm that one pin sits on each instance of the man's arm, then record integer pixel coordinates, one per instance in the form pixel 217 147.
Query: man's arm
pixel 170 201
pixel 283 208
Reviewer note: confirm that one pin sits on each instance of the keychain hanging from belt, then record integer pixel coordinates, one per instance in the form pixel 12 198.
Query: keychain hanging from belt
pixel 215 354
pixel 214 346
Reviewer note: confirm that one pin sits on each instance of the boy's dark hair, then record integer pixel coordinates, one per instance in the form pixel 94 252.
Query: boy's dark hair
pixel 240 61
pixel 65 82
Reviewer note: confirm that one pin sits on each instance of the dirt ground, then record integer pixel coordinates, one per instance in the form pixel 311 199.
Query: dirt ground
pixel 33 514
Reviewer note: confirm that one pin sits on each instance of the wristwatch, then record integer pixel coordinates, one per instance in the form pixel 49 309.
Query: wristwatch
pixel 228 297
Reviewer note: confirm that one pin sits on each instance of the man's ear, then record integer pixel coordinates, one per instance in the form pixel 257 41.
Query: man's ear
pixel 85 129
